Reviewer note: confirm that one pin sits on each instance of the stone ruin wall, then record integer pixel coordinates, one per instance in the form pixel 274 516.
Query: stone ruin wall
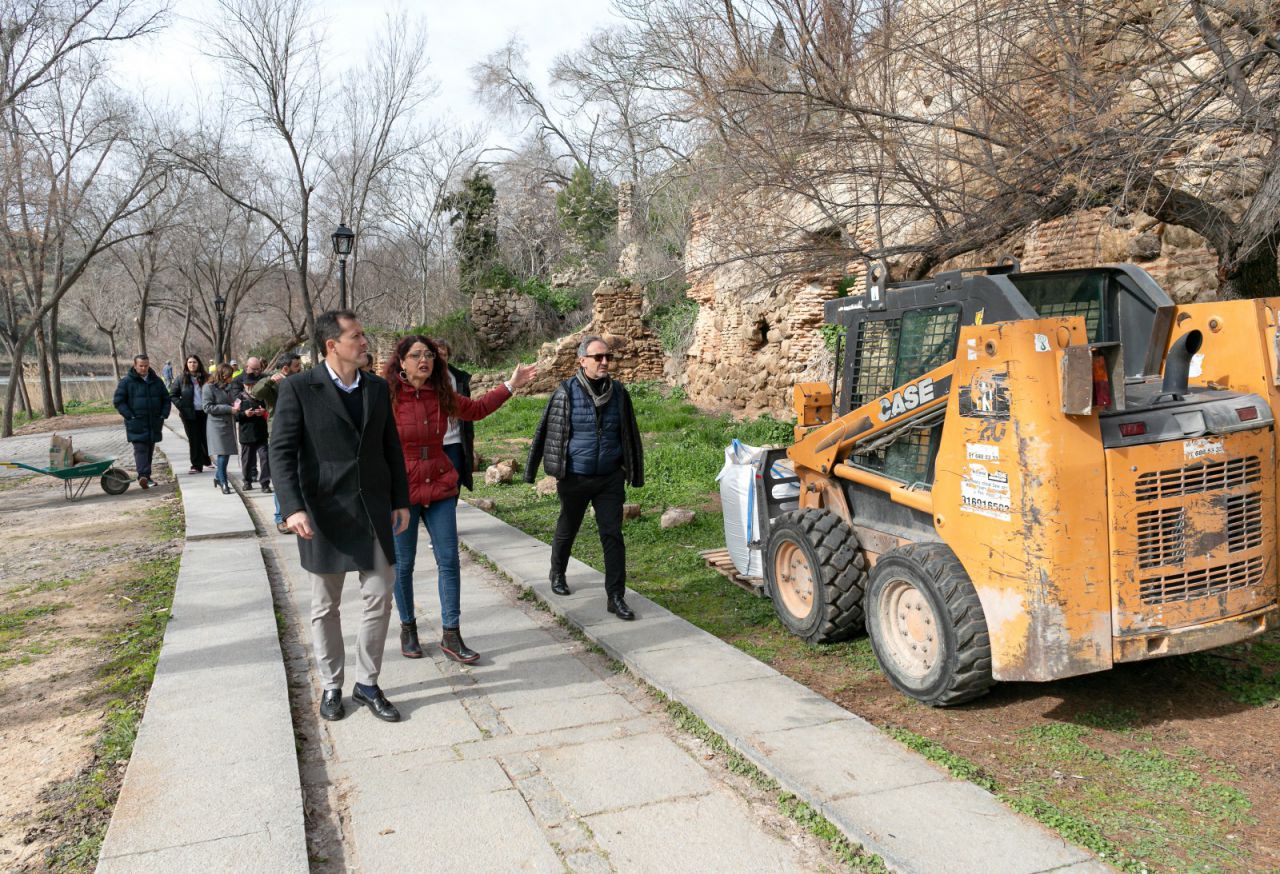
pixel 501 316
pixel 733 365
pixel 617 309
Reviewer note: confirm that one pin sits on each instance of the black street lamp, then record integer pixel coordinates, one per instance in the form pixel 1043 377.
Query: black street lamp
pixel 343 239
pixel 220 306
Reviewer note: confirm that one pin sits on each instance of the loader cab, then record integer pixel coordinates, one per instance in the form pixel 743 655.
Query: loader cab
pixel 893 334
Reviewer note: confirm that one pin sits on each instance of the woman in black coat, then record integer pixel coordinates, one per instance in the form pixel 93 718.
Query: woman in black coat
pixel 186 393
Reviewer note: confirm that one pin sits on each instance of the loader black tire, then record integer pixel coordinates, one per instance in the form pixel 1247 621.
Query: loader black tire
pixel 927 627
pixel 816 572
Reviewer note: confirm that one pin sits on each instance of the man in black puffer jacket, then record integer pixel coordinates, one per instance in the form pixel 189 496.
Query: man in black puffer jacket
pixel 143 399
pixel 589 441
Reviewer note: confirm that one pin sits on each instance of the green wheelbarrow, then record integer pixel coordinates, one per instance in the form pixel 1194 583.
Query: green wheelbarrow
pixel 76 479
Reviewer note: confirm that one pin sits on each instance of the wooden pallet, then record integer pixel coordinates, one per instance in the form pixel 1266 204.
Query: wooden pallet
pixel 719 560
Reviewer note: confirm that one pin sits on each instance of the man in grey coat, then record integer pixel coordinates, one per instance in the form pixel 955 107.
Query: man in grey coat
pixel 340 475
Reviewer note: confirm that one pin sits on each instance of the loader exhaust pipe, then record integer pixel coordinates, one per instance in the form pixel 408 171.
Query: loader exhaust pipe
pixel 1177 364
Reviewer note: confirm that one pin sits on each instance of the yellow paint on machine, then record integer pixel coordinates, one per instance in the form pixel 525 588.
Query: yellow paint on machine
pixel 1240 351
pixel 1028 521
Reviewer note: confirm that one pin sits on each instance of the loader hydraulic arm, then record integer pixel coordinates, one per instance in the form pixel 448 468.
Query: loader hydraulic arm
pixel 874 423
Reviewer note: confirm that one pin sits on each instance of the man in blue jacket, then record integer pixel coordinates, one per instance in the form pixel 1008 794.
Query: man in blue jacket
pixel 589 441
pixel 143 399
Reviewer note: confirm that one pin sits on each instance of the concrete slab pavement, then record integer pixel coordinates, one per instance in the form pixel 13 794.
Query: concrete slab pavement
pixel 537 758
pixel 883 796
pixel 213 783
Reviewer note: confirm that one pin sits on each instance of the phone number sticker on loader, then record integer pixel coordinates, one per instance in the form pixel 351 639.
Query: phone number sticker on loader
pixel 986 494
pixel 1200 447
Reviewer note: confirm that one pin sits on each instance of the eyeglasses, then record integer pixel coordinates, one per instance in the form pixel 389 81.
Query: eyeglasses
pixel 603 356
pixel 426 353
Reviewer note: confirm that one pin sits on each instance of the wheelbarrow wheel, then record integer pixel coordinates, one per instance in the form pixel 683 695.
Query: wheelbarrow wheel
pixel 115 481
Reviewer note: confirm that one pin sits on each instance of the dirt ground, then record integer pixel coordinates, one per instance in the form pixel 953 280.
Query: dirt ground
pixel 1126 756
pixel 63 566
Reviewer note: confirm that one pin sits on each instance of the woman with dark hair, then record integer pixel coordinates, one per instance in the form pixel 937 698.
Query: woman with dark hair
pixel 220 407
pixel 187 393
pixel 424 402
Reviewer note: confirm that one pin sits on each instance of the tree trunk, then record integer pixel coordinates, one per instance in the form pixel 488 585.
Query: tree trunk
pixel 42 356
pixel 186 332
pixel 1256 276
pixel 115 357
pixel 55 362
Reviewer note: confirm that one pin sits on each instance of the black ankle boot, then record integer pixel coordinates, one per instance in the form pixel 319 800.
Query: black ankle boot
pixel 559 585
pixel 409 646
pixel 452 645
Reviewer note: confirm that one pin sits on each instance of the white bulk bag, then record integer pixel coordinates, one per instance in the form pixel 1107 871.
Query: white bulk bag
pixel 742 464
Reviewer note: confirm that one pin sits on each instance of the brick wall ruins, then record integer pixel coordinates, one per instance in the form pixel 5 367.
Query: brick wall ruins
pixel 753 341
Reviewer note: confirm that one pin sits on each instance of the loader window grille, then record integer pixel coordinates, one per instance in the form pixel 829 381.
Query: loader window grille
pixel 928 340
pixel 1081 295
pixel 874 358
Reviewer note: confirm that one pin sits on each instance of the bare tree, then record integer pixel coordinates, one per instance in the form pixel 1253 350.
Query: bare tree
pixel 411 206
pixel 271 51
pixel 36 36
pixel 374 138
pixel 928 130
pixel 75 172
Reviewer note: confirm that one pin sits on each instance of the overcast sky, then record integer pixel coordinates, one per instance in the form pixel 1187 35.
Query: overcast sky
pixel 459 34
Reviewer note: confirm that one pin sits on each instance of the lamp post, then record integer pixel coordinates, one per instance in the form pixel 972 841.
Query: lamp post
pixel 220 306
pixel 343 239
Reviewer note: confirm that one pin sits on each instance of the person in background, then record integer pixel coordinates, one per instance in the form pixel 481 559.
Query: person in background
pixel 460 433
pixel 167 373
pixel 268 390
pixel 424 403
pixel 187 394
pixel 143 400
pixel 589 441
pixel 340 473
pixel 252 372
pixel 219 398
pixel 251 419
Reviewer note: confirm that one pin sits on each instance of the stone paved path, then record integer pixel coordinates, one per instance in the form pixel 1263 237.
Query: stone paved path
pixel 538 758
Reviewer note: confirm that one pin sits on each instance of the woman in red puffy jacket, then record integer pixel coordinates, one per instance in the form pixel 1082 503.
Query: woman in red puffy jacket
pixel 424 401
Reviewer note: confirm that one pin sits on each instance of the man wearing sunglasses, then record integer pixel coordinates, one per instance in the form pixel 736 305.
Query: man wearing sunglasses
pixel 589 441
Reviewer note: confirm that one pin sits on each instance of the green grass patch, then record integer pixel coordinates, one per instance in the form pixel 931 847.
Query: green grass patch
pixel 1248 672
pixel 1137 807
pixel 82 805
pixel 14 623
pixel 959 767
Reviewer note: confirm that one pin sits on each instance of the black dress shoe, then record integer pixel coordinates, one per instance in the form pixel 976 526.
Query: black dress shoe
pixel 378 703
pixel 331 705
pixel 559 585
pixel 248 485
pixel 226 489
pixel 266 489
pixel 618 607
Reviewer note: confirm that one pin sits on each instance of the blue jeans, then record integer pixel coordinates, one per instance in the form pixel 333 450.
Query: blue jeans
pixel 441 519
pixel 276 496
pixel 220 469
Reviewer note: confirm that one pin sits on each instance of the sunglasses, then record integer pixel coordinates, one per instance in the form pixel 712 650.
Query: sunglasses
pixel 603 356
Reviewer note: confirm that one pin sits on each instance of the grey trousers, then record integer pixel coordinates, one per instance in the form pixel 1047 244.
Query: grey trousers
pixel 326 622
